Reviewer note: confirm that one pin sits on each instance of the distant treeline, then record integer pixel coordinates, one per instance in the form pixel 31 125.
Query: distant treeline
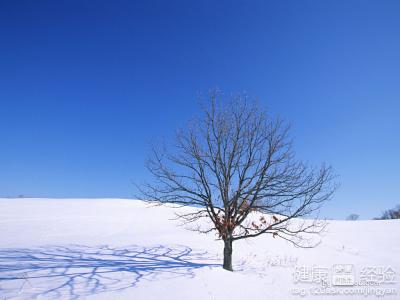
pixel 393 213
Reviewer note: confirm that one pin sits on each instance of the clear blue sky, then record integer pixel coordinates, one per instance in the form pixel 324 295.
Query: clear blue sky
pixel 85 85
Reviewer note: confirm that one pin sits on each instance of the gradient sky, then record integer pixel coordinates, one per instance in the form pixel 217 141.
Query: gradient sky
pixel 86 85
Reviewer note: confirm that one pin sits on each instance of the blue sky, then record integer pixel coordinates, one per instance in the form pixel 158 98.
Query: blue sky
pixel 86 85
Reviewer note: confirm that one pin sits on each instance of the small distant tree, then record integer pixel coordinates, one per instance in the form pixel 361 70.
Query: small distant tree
pixel 352 217
pixel 236 165
pixel 393 213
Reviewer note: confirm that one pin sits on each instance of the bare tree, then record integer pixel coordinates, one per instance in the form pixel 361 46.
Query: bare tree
pixel 236 165
pixel 352 217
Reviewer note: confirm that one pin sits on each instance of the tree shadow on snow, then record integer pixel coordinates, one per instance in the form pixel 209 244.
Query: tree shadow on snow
pixel 75 270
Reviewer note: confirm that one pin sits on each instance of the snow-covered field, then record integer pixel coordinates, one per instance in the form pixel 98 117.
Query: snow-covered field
pixel 122 249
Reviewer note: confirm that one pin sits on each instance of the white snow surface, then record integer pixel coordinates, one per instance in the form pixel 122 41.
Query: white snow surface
pixel 125 249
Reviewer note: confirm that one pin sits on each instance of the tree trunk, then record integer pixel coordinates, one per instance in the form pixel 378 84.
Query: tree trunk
pixel 228 255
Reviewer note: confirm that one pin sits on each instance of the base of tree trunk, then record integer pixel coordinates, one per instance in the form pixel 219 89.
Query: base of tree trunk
pixel 228 255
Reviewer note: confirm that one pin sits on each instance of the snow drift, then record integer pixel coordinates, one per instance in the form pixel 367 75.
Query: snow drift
pixel 124 249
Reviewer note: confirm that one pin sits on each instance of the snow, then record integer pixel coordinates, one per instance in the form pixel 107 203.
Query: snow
pixel 124 249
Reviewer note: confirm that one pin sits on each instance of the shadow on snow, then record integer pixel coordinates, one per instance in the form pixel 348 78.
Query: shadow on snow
pixel 75 270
